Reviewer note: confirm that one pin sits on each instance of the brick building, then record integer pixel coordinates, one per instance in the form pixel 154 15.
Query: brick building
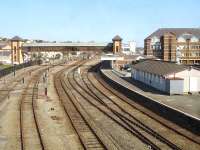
pixel 181 45
pixel 16 50
pixel 117 44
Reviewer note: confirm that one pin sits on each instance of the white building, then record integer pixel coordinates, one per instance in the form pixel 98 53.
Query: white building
pixel 5 53
pixel 130 48
pixel 167 77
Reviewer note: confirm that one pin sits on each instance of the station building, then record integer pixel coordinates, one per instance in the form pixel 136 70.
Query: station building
pixel 167 76
pixel 123 48
pixel 181 45
pixel 11 51
pixel 16 50
pixel 124 54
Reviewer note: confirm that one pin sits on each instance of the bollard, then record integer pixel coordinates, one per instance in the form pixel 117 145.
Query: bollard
pixel 23 80
pixel 46 91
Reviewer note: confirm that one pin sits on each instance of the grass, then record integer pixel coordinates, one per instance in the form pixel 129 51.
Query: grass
pixel 4 66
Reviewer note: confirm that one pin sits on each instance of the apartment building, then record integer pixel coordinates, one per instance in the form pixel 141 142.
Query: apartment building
pixel 181 45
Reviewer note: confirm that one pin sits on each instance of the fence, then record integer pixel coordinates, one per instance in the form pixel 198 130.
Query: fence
pixel 11 69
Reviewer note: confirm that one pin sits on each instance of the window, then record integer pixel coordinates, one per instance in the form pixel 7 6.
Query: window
pixel 15 49
pixel 193 54
pixel 117 48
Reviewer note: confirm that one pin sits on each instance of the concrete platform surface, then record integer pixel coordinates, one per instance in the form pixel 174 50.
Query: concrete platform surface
pixel 189 104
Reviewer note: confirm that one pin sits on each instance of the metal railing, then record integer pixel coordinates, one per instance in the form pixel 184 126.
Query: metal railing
pixel 14 68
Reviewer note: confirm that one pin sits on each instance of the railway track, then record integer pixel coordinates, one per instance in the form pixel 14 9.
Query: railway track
pixel 84 93
pixel 79 118
pixel 30 133
pixel 125 116
pixel 5 91
pixel 73 89
pixel 131 122
pixel 135 106
pixel 96 82
pixel 113 115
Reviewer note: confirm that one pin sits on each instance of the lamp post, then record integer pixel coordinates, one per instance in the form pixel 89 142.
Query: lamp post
pixel 46 83
pixel 14 70
pixel 24 73
pixel 189 77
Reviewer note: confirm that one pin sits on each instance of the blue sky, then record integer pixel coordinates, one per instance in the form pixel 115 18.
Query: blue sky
pixel 99 20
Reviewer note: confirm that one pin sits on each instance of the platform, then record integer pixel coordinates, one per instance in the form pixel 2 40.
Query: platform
pixel 187 104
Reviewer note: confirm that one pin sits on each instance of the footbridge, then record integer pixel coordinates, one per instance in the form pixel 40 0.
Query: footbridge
pixel 67 47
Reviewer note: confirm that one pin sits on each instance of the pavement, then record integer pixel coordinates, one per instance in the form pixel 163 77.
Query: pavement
pixel 189 104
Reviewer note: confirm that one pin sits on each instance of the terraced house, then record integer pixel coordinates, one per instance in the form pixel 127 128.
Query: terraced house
pixel 181 45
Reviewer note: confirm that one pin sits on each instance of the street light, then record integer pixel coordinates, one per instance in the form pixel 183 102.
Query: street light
pixel 14 69
pixel 189 77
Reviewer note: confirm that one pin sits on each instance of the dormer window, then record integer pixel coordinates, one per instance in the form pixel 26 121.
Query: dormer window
pixel 194 39
pixel 181 39
pixel 155 39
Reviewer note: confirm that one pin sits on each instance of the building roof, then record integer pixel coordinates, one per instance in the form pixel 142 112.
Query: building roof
pixel 161 68
pixel 16 38
pixel 137 57
pixel 176 31
pixel 117 38
pixel 88 44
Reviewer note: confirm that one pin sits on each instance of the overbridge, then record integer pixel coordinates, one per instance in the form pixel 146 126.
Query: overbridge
pixel 67 47
pixel 21 51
